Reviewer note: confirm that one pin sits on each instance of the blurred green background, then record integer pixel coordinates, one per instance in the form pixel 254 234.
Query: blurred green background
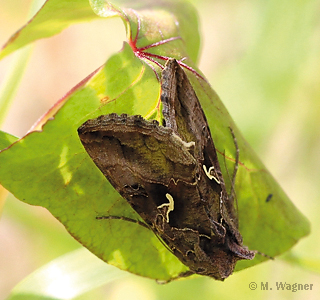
pixel 262 58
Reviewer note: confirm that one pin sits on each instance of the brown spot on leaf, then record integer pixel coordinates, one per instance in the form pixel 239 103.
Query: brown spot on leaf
pixel 104 100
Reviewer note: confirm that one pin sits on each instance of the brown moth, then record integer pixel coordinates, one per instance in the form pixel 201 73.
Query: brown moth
pixel 171 177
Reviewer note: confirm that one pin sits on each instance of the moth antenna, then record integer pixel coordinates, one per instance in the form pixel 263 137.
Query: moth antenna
pixel 229 177
pixel 181 275
pixel 236 166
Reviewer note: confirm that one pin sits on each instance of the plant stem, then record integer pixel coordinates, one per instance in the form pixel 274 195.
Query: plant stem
pixel 11 83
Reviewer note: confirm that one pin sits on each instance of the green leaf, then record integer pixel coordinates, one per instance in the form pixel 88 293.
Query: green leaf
pixel 177 18
pixel 52 18
pixel 165 20
pixel 50 167
pixel 66 277
pixel 55 171
pixel 6 140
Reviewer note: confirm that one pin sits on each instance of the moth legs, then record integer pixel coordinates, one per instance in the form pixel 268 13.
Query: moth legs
pixel 264 255
pixel 124 219
pixel 135 222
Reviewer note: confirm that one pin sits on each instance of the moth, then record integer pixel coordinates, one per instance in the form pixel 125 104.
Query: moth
pixel 170 175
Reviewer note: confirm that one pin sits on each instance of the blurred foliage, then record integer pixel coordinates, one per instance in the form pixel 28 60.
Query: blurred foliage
pixel 264 64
